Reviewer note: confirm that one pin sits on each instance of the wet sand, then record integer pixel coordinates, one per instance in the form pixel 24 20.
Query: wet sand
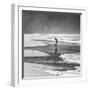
pixel 36 70
pixel 40 67
pixel 42 70
pixel 41 60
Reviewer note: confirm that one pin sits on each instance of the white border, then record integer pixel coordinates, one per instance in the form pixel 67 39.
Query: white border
pixel 16 67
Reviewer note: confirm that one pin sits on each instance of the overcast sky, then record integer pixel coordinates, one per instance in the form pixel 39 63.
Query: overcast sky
pixel 50 22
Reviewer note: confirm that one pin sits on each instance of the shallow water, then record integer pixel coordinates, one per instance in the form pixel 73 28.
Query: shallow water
pixel 40 57
pixel 67 67
pixel 36 39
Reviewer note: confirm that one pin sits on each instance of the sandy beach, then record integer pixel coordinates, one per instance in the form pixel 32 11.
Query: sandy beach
pixel 40 59
pixel 37 70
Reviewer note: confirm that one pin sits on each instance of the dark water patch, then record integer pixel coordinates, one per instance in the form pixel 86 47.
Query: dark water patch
pixel 59 62
pixel 64 69
pixel 63 49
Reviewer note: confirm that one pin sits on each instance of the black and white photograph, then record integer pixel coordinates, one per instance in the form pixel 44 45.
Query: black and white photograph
pixel 51 44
